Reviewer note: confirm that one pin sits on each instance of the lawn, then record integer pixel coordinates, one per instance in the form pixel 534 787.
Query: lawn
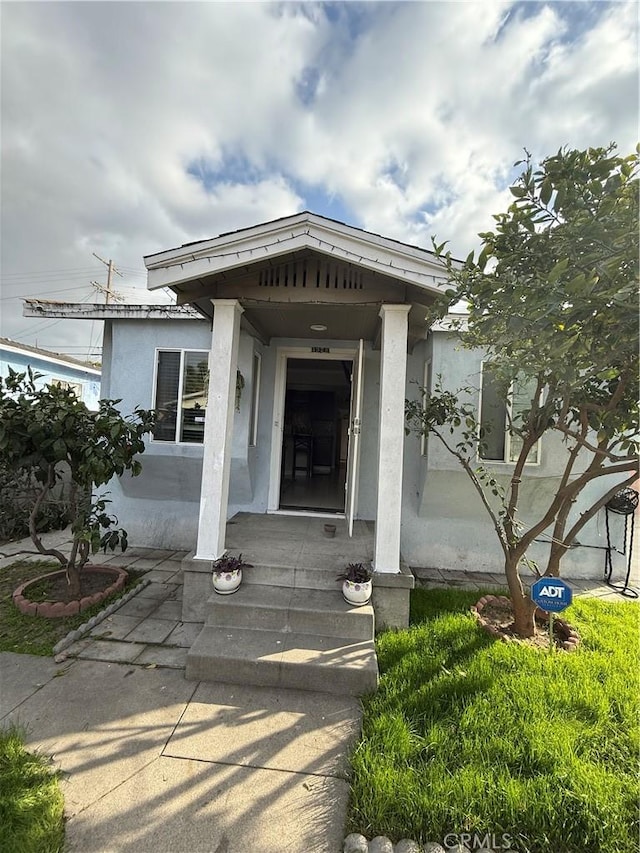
pixel 471 734
pixel 32 634
pixel 31 804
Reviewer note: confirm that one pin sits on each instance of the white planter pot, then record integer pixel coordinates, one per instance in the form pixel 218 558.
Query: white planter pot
pixel 356 593
pixel 228 582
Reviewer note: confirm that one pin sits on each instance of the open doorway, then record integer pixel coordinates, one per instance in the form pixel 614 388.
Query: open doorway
pixel 315 434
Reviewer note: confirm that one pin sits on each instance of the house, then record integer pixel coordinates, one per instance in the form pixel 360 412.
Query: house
pixel 280 378
pixel 54 369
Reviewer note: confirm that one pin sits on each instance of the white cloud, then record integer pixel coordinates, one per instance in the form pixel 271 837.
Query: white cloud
pixel 408 115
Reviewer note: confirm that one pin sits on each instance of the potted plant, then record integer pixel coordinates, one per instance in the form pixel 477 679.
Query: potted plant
pixel 227 573
pixel 356 584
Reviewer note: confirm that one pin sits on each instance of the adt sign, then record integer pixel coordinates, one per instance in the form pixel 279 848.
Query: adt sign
pixel 551 594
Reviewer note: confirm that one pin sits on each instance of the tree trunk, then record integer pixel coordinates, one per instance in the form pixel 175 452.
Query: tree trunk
pixel 523 608
pixel 553 563
pixel 73 580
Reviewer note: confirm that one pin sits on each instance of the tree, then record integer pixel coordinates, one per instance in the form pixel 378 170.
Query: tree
pixel 552 299
pixel 48 432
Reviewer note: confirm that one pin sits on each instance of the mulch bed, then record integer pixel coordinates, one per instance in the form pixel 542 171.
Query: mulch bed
pixel 495 616
pixel 49 594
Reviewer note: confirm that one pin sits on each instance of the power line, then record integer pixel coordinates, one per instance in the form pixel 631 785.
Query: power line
pixel 43 293
pixel 72 271
pixel 50 271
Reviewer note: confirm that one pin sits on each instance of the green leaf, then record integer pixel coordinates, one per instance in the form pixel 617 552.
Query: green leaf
pixel 546 189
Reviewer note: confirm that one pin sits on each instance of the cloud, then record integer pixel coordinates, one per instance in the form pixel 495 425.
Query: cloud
pixel 133 127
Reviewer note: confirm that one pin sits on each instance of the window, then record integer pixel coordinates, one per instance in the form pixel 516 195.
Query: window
pixel 499 444
pixel 424 438
pixel 255 398
pixel 76 387
pixel 182 378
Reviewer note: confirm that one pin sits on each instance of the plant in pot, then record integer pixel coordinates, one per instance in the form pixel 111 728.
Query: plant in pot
pixel 227 573
pixel 356 584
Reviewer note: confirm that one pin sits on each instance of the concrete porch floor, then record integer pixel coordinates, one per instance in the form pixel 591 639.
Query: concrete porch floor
pixel 298 541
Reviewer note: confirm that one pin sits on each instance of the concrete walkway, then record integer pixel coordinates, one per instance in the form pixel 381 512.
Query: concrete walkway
pixel 156 764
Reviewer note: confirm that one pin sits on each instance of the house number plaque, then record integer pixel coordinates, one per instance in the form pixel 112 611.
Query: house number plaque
pixel 320 349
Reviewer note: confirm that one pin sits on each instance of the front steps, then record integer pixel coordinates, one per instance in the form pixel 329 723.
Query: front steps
pixel 292 637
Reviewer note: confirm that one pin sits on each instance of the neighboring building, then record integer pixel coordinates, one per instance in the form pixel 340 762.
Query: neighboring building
pixel 314 332
pixel 54 369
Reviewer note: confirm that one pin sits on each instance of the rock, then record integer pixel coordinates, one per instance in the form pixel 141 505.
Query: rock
pixel 458 848
pixel 60 658
pixel 433 847
pixel 407 845
pixel 355 843
pixel 380 844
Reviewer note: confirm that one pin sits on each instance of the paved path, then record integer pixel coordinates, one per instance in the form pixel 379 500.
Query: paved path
pixel 157 764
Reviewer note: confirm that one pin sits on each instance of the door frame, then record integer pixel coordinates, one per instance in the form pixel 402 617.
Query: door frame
pixel 279 394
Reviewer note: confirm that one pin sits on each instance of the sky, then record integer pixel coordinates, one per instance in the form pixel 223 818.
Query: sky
pixel 133 127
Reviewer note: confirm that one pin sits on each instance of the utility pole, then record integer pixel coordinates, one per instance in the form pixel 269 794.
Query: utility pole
pixel 108 293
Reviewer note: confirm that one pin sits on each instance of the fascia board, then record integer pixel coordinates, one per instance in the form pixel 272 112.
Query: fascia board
pixel 371 252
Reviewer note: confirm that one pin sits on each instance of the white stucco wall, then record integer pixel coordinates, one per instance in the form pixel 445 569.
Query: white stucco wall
pixel 160 507
pixel 444 524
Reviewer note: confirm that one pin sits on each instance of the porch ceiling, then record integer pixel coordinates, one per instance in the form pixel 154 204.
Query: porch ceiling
pixel 295 321
pixel 284 299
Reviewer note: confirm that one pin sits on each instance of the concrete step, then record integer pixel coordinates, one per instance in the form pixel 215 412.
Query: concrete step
pixel 317 612
pixel 294 577
pixel 283 659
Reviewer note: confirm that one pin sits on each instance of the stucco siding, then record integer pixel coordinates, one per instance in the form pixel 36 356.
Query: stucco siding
pixel 444 523
pixel 159 508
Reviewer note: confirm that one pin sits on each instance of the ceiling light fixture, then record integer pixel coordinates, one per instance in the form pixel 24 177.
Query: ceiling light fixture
pixel 318 327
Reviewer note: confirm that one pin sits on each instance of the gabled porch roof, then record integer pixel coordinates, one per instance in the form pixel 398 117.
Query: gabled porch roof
pixel 301 271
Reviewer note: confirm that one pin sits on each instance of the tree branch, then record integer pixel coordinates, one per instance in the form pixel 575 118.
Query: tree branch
pixel 588 515
pixel 35 509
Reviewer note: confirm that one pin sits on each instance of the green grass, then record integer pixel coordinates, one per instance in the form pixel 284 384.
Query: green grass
pixel 471 734
pixel 31 804
pixel 32 634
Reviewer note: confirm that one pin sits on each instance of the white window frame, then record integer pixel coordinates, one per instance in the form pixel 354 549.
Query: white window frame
pixel 255 398
pixel 507 434
pixel 154 389
pixel 426 385
pixel 69 385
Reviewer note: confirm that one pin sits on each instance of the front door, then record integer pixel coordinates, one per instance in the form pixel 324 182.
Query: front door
pixel 315 430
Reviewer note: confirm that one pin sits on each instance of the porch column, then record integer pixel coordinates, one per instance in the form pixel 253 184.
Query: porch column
pixel 218 429
pixel 393 374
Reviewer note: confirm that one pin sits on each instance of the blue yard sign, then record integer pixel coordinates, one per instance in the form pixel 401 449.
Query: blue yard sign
pixel 551 594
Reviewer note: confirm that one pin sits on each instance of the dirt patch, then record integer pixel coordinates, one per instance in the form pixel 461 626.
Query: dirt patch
pixel 495 615
pixel 49 594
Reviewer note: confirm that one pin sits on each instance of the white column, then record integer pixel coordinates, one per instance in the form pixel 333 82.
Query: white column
pixel 393 374
pixel 218 429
